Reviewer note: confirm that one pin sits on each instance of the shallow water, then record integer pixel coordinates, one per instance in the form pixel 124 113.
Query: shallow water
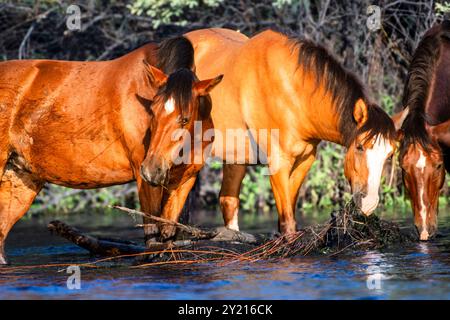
pixel 419 271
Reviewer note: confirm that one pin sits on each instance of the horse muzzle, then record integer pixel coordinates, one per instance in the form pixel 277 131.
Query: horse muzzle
pixel 427 232
pixel 155 173
pixel 366 203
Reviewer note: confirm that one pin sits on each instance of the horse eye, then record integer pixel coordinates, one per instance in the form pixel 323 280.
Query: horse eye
pixel 360 147
pixel 184 121
pixel 439 166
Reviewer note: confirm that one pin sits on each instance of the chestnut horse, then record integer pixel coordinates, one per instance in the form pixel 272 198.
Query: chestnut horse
pixel 88 125
pixel 425 134
pixel 273 81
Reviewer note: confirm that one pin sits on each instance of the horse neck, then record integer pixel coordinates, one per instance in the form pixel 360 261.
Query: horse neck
pixel 321 111
pixel 437 107
pixel 134 71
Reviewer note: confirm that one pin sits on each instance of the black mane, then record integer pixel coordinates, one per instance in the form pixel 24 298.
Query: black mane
pixel 179 87
pixel 418 85
pixel 174 54
pixel 175 57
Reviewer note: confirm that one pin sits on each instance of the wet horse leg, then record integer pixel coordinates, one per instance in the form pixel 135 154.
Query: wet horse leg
pixel 18 190
pixel 298 174
pixel 229 194
pixel 173 202
pixel 281 192
pixel 168 204
pixel 150 199
pixel 286 182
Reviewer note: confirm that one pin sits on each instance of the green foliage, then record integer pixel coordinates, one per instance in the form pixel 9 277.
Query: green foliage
pixel 215 165
pixel 58 199
pixel 388 103
pixel 168 11
pixel 325 179
pixel 442 8
pixel 256 192
pixel 279 4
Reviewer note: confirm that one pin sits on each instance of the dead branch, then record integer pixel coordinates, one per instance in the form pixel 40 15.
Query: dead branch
pixel 195 232
pixel 97 246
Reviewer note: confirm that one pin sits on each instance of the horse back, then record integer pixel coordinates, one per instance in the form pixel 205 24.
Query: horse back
pixel 74 123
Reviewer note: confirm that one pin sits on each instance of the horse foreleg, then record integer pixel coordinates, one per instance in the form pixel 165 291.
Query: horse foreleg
pixel 286 181
pixel 150 199
pixel 174 200
pixel 298 174
pixel 229 194
pixel 281 192
pixel 18 190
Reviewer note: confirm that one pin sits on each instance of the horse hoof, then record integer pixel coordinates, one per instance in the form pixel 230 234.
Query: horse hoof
pixel 3 260
pixel 149 243
pixel 288 228
pixel 167 232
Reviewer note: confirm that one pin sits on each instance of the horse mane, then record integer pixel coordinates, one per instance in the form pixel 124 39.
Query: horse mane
pixel 344 88
pixel 175 53
pixel 179 87
pixel 418 83
pixel 175 56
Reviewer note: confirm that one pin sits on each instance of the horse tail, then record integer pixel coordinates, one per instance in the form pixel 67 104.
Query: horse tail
pixel 175 53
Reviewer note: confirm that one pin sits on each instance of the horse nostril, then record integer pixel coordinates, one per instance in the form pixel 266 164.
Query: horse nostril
pixel 357 199
pixel 145 174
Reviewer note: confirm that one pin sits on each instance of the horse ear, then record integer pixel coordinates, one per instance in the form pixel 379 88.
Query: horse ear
pixel 156 76
pixel 441 132
pixel 360 112
pixel 399 118
pixel 204 87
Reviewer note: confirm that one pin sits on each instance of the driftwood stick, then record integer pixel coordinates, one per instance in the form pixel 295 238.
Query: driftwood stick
pixel 109 247
pixel 195 232
pixel 97 246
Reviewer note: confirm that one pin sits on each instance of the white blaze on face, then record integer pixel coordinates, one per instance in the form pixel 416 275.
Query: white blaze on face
pixel 375 157
pixel 169 106
pixel 421 163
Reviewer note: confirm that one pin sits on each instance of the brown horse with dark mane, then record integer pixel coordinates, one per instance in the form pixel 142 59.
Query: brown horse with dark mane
pixel 296 88
pixel 89 124
pixel 425 134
